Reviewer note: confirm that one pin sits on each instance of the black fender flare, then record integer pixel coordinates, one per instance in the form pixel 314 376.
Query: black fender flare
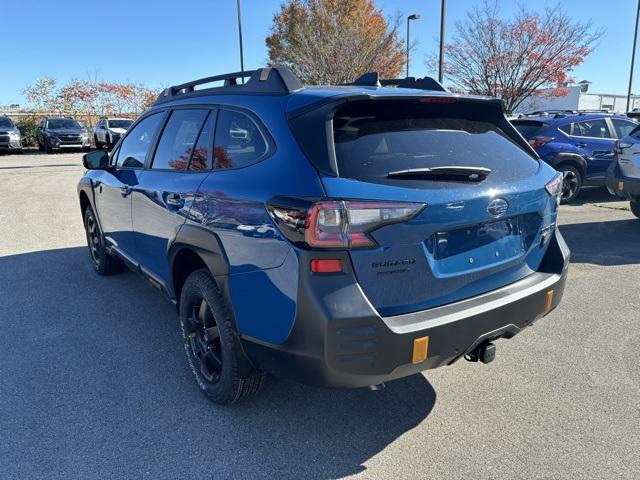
pixel 85 186
pixel 207 245
pixel 572 159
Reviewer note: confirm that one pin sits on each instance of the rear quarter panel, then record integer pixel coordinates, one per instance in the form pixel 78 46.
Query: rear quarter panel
pixel 232 204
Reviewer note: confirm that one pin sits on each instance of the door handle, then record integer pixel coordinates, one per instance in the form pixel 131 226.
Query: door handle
pixel 125 190
pixel 175 200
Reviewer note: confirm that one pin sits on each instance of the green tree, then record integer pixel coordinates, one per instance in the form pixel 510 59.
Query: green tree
pixel 335 41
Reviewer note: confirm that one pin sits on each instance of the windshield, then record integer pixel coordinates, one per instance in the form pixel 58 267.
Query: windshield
pixel 373 139
pixel 6 122
pixel 60 123
pixel 120 123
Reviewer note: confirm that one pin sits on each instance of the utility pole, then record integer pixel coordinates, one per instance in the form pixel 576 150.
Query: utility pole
pixel 443 12
pixel 414 16
pixel 240 38
pixel 633 56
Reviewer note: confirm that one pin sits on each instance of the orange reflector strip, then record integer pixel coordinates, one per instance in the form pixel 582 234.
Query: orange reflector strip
pixel 620 185
pixel 420 349
pixel 549 301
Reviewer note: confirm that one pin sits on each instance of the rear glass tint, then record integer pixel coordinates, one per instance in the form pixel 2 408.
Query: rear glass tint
pixel 376 137
pixel 528 128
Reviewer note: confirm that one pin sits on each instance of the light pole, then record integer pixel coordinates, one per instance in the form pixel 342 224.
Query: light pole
pixel 633 56
pixel 443 11
pixel 240 38
pixel 414 16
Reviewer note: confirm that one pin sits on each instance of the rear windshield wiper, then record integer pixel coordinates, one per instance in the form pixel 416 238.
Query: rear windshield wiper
pixel 447 173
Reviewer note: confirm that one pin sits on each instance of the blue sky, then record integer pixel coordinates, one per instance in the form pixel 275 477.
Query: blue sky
pixel 162 43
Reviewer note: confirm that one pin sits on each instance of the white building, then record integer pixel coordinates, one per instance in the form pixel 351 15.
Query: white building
pixel 578 97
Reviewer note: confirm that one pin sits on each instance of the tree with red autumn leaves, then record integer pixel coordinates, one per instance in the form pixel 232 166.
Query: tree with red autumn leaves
pixel 335 41
pixel 528 55
pixel 90 97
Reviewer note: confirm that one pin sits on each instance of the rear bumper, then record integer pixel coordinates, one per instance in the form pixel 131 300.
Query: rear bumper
pixel 339 340
pixel 621 186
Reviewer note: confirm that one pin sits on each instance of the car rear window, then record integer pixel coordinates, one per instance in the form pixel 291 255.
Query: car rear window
pixel 376 137
pixel 529 128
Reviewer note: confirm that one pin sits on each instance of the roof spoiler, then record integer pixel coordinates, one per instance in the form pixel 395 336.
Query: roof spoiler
pixel 372 79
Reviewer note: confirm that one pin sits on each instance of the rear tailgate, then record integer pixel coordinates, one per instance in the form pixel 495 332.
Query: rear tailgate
pixel 475 235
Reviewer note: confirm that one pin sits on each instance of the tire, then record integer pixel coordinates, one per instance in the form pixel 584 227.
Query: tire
pixel 47 147
pixel 571 183
pixel 635 206
pixel 103 263
pixel 211 344
pixel 40 147
pixel 98 144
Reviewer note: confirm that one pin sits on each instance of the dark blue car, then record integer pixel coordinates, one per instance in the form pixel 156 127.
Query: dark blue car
pixel 580 145
pixel 340 236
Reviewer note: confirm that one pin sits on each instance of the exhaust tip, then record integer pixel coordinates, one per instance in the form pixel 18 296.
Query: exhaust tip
pixel 379 386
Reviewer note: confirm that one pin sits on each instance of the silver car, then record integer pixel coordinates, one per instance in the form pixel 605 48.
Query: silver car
pixel 10 137
pixel 623 175
pixel 108 131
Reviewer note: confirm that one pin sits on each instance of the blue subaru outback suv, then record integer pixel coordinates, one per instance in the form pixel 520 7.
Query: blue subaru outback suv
pixel 339 236
pixel 578 144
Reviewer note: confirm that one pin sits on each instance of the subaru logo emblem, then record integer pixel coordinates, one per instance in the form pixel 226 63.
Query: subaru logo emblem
pixel 498 207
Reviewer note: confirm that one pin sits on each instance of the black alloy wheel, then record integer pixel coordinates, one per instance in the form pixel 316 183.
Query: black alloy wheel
pixel 571 183
pixel 204 340
pixel 212 344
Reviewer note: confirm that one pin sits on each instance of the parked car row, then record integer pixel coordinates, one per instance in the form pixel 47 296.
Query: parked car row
pixel 64 133
pixel 581 145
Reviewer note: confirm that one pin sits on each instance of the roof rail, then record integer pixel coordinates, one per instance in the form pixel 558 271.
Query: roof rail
pixel 372 79
pixel 277 80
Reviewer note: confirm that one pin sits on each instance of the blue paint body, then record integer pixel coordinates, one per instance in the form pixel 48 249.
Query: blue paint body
pixel 263 266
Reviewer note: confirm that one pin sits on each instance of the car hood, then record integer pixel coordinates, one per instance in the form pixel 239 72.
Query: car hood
pixel 66 131
pixel 118 130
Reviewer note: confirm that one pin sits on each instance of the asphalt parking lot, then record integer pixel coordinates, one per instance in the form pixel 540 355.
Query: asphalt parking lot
pixel 93 383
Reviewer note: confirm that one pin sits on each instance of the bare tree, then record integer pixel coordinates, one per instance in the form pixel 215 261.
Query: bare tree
pixel 335 41
pixel 44 94
pixel 517 58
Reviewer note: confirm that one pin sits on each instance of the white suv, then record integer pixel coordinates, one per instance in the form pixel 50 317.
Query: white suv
pixel 108 131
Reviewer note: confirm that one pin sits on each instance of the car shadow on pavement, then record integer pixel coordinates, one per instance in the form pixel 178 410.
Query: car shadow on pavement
pixel 95 385
pixel 612 242
pixel 594 195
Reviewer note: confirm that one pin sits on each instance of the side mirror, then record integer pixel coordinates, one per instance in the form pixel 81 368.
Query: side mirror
pixel 96 160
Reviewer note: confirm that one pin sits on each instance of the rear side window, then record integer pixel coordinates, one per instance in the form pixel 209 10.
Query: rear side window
pixel 588 128
pixel 178 139
pixel 136 144
pixel 238 142
pixel 529 128
pixel 374 138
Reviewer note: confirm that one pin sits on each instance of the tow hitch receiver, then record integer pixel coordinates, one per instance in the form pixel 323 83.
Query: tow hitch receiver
pixel 484 353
